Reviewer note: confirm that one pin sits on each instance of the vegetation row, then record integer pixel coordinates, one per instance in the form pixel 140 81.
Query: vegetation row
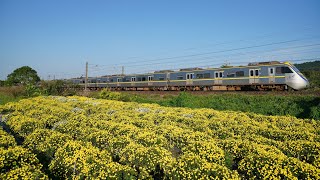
pixel 306 107
pixel 82 138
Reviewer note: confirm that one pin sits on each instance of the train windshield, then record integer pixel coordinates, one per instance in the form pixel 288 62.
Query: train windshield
pixel 295 69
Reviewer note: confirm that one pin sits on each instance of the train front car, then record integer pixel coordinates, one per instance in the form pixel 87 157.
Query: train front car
pixel 294 78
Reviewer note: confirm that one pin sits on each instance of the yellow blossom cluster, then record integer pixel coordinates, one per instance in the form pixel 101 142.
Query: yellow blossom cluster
pixel 84 138
pixel 17 162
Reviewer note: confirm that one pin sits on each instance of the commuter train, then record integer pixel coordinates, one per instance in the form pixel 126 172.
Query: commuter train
pixel 272 75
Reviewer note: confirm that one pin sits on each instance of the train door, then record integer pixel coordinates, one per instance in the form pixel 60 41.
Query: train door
pixel 118 81
pixel 254 76
pixel 150 79
pixel 167 81
pixel 133 80
pixel 271 74
pixel 218 75
pixel 189 78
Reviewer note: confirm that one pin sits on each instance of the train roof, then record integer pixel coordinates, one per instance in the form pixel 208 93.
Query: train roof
pixel 264 63
pixel 267 63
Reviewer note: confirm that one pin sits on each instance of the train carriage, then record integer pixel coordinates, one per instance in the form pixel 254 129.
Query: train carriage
pixel 258 76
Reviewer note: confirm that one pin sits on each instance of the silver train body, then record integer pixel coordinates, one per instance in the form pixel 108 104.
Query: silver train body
pixel 259 76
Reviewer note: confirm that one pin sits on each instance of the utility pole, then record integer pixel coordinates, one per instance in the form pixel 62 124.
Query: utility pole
pixel 122 71
pixel 86 79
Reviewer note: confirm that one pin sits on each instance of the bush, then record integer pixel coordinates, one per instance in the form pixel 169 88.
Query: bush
pixel 19 163
pixel 106 94
pixel 298 106
pixel 13 91
pixel 58 87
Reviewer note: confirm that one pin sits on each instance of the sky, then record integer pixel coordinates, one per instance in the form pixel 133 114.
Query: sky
pixel 58 37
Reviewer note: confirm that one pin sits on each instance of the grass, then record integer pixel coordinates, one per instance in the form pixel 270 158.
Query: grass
pixel 11 94
pixel 302 106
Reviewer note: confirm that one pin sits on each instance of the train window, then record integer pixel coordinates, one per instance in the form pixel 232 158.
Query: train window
pixel 150 78
pixel 143 79
pixel 240 73
pixel 199 76
pixel 251 72
pixel 206 75
pixel 179 77
pixel 271 70
pixel 231 75
pixel 257 72
pixel 190 76
pixel 118 79
pixel 161 78
pixel 221 74
pixel 111 80
pixel 286 70
pixel 217 75
pixel 282 70
pixel 133 79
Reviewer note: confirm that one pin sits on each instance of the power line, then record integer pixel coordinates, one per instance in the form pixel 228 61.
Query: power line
pixel 210 57
pixel 310 45
pixel 216 44
pixel 214 52
pixel 221 63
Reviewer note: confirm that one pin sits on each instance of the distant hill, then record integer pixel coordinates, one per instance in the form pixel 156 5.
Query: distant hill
pixel 309 66
pixel 312 71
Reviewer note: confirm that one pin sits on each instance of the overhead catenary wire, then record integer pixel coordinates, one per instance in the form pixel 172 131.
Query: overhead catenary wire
pixel 204 59
pixel 304 29
pixel 214 52
pixel 174 61
pixel 221 63
pixel 139 65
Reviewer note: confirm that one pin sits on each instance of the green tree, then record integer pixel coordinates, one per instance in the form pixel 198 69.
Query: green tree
pixel 2 83
pixel 23 75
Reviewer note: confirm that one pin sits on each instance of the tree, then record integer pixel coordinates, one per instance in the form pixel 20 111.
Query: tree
pixel 2 83
pixel 23 75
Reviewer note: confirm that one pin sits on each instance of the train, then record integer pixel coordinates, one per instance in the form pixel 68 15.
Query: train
pixel 271 75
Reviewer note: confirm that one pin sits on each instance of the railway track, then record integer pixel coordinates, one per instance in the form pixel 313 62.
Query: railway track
pixel 284 93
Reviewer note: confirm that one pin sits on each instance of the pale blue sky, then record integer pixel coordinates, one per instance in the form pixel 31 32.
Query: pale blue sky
pixel 57 37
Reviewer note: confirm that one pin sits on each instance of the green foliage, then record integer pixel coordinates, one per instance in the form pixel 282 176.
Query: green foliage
pixel 313 77
pixel 23 75
pixel 112 95
pixel 309 66
pixel 4 98
pixel 58 87
pixel 32 90
pixel 312 71
pixel 105 94
pixel 315 112
pixel 298 106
